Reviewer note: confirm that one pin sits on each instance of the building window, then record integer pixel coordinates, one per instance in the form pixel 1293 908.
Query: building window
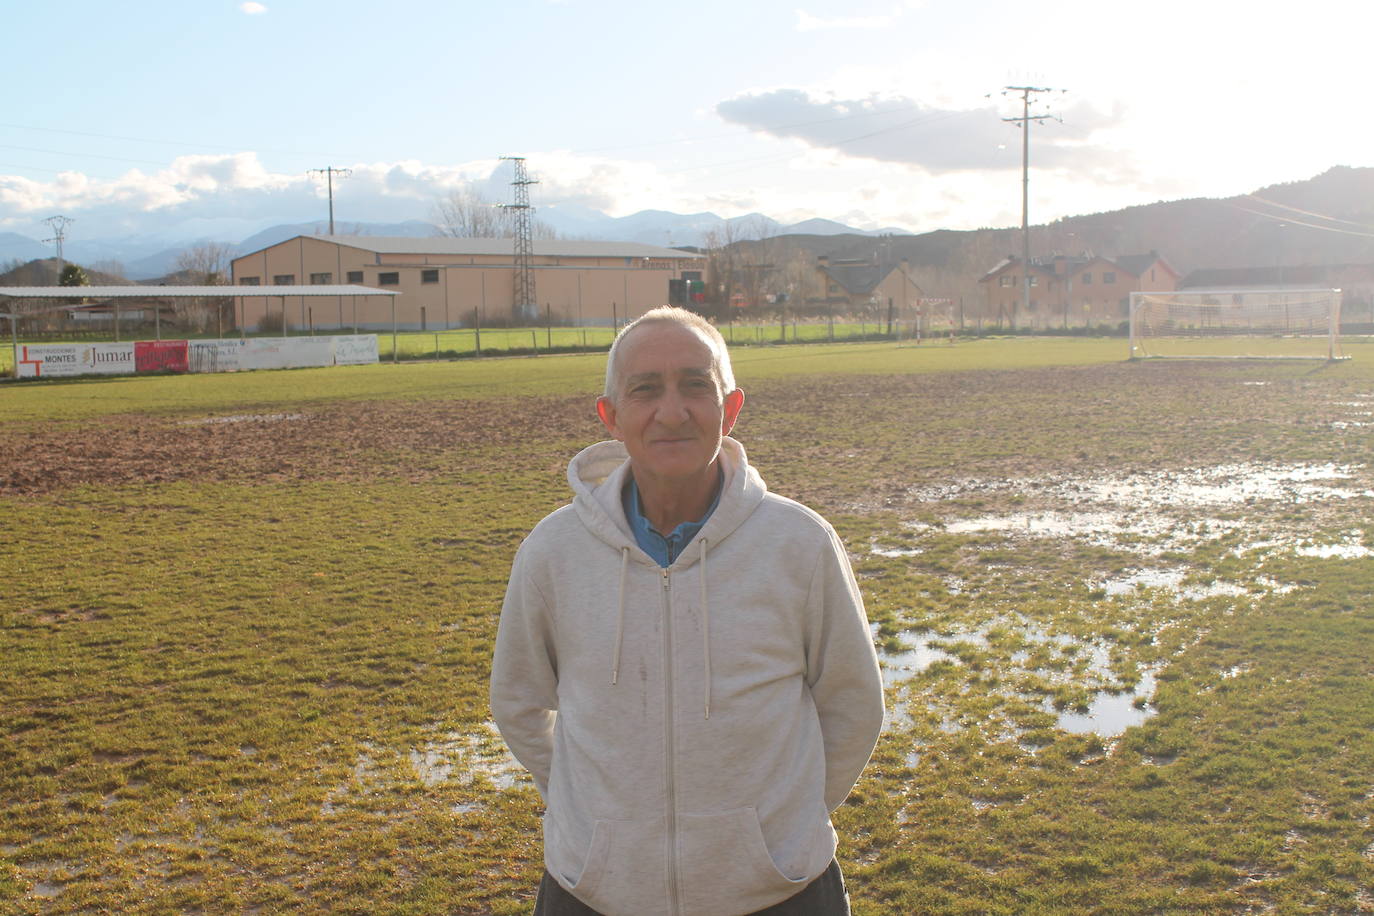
pixel 284 280
pixel 429 276
pixel 1109 276
pixel 1034 280
pixel 389 279
pixel 1087 279
pixel 323 279
pixel 1004 280
pixel 355 276
pixel 249 281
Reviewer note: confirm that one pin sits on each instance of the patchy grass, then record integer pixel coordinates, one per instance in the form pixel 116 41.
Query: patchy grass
pixel 246 659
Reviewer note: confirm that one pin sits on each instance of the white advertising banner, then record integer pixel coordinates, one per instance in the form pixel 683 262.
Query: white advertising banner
pixel 355 350
pixel 229 355
pixel 57 360
pixel 214 355
pixel 286 352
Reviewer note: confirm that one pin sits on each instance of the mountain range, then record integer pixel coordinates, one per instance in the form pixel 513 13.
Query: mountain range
pixel 1327 219
pixel 148 257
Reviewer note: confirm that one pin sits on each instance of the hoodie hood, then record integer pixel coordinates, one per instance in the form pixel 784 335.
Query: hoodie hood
pixel 598 474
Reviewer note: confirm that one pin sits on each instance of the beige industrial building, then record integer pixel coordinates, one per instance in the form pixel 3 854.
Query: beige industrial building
pixel 450 283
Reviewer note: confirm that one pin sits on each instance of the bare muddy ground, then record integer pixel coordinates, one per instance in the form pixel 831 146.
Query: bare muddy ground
pixel 864 442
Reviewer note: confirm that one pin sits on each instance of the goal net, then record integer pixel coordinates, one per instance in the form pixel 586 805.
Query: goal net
pixel 1241 324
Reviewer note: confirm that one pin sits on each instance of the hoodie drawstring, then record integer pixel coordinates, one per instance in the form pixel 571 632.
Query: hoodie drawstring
pixel 705 626
pixel 620 615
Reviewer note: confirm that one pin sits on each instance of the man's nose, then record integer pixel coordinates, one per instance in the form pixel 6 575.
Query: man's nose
pixel 672 408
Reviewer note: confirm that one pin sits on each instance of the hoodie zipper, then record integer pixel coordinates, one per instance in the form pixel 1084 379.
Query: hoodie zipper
pixel 668 768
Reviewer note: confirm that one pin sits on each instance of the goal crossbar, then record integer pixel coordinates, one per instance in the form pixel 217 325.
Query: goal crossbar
pixel 1280 323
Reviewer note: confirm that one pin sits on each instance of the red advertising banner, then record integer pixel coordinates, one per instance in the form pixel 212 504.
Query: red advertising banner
pixel 160 356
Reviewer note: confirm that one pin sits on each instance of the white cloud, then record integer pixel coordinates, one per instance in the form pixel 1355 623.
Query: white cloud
pixel 903 129
pixel 238 189
pixel 253 8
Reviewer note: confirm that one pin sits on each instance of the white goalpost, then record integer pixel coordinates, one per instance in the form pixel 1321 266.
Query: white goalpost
pixel 1236 324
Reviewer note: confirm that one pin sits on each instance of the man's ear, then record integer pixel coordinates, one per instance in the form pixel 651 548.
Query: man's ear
pixel 606 411
pixel 730 410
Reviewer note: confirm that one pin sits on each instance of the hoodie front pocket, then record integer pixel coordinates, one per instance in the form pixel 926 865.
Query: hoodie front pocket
pixel 724 857
pixel 578 867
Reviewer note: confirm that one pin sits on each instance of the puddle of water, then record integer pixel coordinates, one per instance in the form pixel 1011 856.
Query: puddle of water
pixel 1110 714
pixel 1225 484
pixel 465 756
pixel 1235 671
pixel 1221 485
pixel 895 551
pixel 1335 551
pixel 1350 547
pixel 1170 580
pixel 244 418
pixel 910 661
pixel 457 757
pixel 46 889
pixel 431 766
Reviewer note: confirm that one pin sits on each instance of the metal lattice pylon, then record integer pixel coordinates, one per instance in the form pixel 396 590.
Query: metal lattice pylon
pixel 526 304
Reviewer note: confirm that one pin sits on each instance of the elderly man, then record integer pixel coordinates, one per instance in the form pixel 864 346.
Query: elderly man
pixel 683 661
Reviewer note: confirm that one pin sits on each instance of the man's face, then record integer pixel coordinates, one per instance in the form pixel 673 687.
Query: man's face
pixel 668 408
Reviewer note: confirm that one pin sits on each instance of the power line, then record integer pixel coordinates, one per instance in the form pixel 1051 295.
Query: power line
pixel 1334 219
pixel 1297 222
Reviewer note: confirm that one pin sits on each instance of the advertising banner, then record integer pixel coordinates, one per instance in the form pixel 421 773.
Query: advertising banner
pixel 160 356
pixel 355 350
pixel 229 355
pixel 214 355
pixel 59 360
pixel 286 352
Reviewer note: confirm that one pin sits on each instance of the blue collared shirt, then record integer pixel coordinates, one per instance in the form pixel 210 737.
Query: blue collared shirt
pixel 664 550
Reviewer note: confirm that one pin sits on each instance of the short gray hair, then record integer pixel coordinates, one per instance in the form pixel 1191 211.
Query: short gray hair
pixel 671 314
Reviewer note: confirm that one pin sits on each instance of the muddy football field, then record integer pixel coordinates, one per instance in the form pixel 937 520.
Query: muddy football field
pixel 1124 612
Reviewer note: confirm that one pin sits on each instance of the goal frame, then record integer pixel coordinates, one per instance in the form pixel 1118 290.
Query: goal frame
pixel 1332 334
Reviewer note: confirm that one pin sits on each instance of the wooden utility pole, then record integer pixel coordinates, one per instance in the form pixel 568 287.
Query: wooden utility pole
pixel 1024 122
pixel 329 172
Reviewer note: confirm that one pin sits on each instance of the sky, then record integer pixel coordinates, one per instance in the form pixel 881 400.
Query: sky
pixel 203 118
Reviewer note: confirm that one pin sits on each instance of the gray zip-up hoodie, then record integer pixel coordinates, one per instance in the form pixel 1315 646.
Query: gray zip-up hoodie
pixel 690 728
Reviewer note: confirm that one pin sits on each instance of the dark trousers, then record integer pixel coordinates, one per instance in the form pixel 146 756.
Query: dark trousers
pixel 823 897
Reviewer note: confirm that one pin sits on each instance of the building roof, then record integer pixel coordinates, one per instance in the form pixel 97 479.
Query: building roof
pixel 1003 264
pixel 1139 263
pixel 859 279
pixel 1134 264
pixel 565 248
pixel 1306 274
pixel 188 292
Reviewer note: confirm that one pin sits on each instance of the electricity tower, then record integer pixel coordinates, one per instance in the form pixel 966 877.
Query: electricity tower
pixel 59 232
pixel 1025 121
pixel 526 305
pixel 329 172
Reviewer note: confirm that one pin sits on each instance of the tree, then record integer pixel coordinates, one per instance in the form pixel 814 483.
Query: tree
pixel 467 214
pixel 110 268
pixel 73 275
pixel 205 264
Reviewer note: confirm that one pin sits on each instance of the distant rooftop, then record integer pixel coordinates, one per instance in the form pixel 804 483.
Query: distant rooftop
pixel 565 248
